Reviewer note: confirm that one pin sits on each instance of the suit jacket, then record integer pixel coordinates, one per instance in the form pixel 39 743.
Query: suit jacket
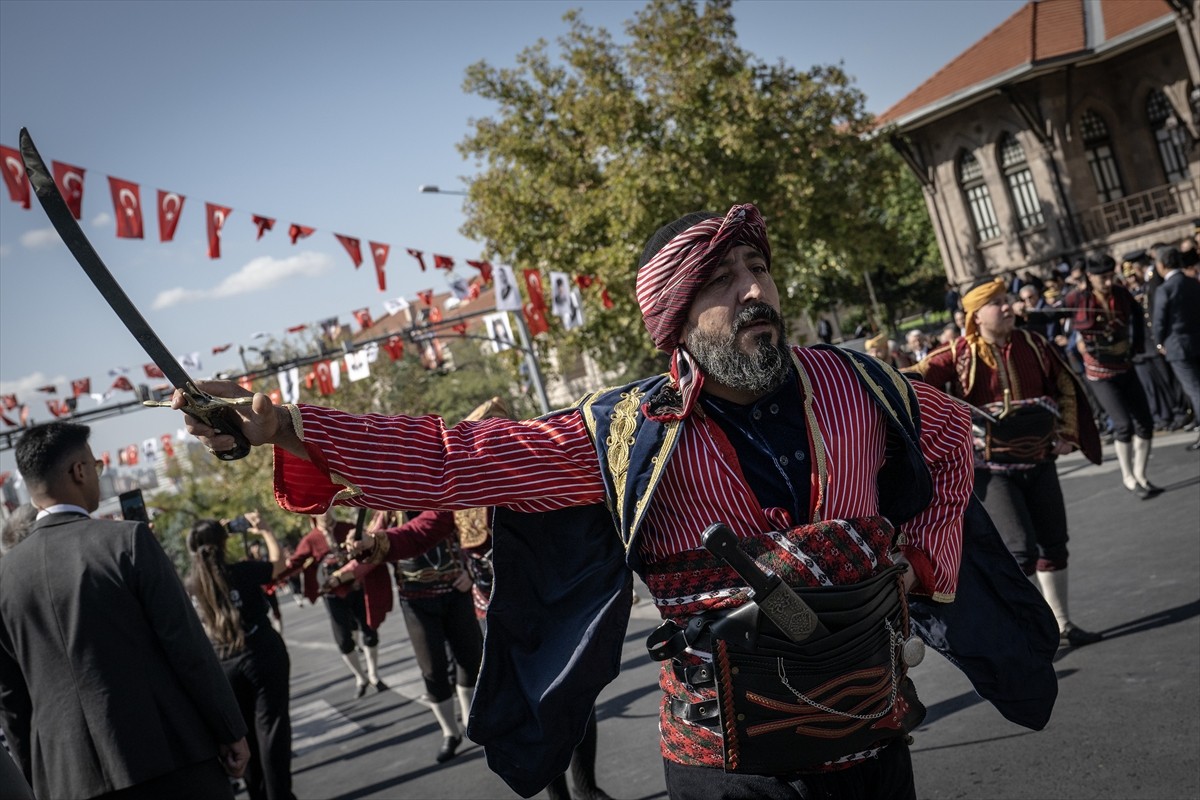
pixel 1177 318
pixel 106 676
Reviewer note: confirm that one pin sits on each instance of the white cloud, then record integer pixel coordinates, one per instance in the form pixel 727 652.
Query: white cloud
pixel 102 219
pixel 259 274
pixel 23 387
pixel 41 237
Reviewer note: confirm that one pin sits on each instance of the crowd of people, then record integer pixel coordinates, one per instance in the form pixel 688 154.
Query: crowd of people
pixel 874 500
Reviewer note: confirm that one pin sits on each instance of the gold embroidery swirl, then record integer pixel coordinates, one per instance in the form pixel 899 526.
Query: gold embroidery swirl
pixel 620 439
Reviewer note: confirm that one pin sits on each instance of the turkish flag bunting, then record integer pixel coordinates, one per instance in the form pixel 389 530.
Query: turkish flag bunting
pixel 380 252
pixel 246 382
pixel 353 247
pixel 131 455
pixel 170 208
pixel 533 282
pixel 276 397
pixel 166 445
pixel 426 296
pixel 70 183
pixel 417 254
pixel 484 267
pixel 535 319
pixel 585 281
pixel 216 216
pixel 263 224
pixel 58 408
pixel 324 378
pixel 81 386
pixel 435 315
pixel 152 371
pixel 10 422
pixel 605 300
pixel 10 401
pixel 363 315
pixel 221 348
pixel 299 232
pixel 127 205
pixel 474 290
pixel 106 458
pixel 297 328
pixel 49 388
pixel 123 384
pixel 24 415
pixel 460 328
pixel 394 347
pixel 443 262
pixel 14 176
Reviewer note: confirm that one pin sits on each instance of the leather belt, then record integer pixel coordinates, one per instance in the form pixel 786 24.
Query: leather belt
pixel 707 712
pixel 695 675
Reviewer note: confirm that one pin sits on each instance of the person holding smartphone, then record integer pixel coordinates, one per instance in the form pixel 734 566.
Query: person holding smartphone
pixel 234 611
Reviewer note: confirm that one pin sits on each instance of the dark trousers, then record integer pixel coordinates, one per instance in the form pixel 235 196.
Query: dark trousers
pixel 434 622
pixel 1028 509
pixel 889 776
pixel 1188 375
pixel 1125 401
pixel 203 781
pixel 347 614
pixel 1166 399
pixel 259 676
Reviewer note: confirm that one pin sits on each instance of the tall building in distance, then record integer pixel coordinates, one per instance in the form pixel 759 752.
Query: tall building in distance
pixel 1069 130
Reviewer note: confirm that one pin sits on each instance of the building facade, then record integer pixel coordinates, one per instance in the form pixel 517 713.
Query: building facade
pixel 1069 130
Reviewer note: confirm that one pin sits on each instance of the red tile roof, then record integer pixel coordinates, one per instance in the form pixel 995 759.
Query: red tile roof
pixel 1039 31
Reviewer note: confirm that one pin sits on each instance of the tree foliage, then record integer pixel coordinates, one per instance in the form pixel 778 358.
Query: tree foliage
pixel 593 148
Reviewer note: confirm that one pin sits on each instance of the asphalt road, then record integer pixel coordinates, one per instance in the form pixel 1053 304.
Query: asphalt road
pixel 1126 724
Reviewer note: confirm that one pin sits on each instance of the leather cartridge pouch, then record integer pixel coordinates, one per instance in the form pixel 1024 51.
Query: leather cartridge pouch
pixel 1026 435
pixel 787 707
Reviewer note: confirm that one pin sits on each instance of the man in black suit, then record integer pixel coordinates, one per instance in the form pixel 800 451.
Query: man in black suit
pixel 1176 323
pixel 108 685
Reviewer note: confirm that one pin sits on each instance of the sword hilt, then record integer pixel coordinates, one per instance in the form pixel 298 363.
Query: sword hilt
pixel 221 415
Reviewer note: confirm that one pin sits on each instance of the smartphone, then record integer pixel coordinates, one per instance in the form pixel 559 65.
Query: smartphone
pixel 133 506
pixel 238 524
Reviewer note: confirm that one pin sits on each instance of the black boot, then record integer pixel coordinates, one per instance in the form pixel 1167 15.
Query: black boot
pixel 448 749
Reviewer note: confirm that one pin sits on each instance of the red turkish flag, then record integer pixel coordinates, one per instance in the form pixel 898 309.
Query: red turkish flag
pixel 605 300
pixel 585 281
pixel 533 282
pixel 263 224
pixel 216 216
pixel 152 371
pixel 353 247
pixel 58 408
pixel 167 447
pixel 363 315
pixel 324 372
pixel 426 296
pixel 394 347
pixel 246 382
pixel 170 208
pixel 484 267
pixel 435 315
pixel 106 458
pixel 49 388
pixel 535 319
pixel 474 290
pixel 460 328
pixel 123 384
pixel 14 176
pixel 297 328
pixel 127 205
pixel 276 397
pixel 10 401
pixel 81 386
pixel 221 348
pixel 380 252
pixel 70 183
pixel 417 254
pixel 443 262
pixel 131 455
pixel 299 232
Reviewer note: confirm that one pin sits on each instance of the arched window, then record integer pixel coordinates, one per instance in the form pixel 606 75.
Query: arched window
pixel 979 199
pixel 1098 146
pixel 1020 183
pixel 1170 135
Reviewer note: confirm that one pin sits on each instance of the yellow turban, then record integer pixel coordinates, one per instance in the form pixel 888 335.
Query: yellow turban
pixel 872 343
pixel 974 300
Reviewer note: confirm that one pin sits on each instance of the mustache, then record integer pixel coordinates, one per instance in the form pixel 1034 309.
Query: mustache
pixel 756 312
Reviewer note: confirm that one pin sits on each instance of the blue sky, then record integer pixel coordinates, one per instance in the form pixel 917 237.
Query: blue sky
pixel 320 113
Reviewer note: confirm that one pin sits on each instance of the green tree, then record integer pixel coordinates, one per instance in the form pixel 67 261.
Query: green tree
pixel 590 151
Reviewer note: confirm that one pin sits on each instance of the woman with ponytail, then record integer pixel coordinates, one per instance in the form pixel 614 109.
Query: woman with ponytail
pixel 234 610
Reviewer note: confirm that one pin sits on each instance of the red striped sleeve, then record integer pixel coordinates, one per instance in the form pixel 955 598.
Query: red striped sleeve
pixel 418 463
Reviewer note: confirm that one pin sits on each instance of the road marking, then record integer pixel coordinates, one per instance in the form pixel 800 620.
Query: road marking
pixel 318 723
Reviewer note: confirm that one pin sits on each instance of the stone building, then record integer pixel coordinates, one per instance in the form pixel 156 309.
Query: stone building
pixel 1068 130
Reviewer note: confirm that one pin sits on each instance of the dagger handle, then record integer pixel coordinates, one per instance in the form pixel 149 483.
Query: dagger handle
pixel 723 542
pixel 223 418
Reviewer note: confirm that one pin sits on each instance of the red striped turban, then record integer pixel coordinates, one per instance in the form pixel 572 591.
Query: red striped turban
pixel 669 281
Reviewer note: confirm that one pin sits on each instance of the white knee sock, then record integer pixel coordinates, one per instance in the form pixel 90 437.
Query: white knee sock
pixel 465 693
pixel 1125 459
pixel 372 654
pixel 1141 458
pixel 1054 589
pixel 355 666
pixel 443 711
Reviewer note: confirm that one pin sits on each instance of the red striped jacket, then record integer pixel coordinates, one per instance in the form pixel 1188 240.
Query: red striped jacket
pixel 539 465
